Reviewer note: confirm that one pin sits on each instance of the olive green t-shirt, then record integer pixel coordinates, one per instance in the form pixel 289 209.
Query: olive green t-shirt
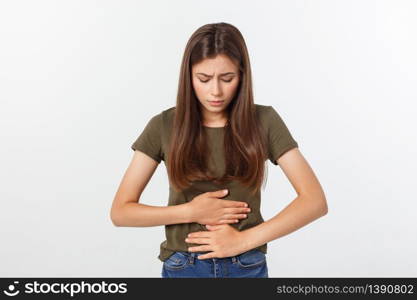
pixel 154 142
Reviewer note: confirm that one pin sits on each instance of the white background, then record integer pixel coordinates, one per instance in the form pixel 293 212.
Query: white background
pixel 79 80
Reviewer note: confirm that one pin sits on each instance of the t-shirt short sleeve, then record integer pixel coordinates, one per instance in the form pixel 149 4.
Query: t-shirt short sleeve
pixel 149 141
pixel 280 139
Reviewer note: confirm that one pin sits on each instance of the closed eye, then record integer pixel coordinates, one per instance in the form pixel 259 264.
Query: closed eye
pixel 222 80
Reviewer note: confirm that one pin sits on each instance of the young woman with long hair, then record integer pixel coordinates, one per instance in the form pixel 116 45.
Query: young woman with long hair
pixel 215 143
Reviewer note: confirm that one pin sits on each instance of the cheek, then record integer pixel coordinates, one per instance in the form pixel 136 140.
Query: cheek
pixel 231 89
pixel 198 85
pixel 200 90
pixel 197 88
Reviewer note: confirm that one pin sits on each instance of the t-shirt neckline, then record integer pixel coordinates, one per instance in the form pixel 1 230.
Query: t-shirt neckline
pixel 214 127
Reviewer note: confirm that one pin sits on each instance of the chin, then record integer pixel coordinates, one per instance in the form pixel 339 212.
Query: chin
pixel 215 108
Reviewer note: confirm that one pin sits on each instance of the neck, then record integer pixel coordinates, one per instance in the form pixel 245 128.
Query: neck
pixel 215 119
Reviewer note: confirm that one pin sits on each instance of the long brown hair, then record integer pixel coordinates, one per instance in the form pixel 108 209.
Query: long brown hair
pixel 244 141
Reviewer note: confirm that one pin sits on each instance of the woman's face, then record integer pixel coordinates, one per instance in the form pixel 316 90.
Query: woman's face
pixel 215 79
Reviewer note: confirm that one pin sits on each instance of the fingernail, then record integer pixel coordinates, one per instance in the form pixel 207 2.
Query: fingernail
pixel 224 191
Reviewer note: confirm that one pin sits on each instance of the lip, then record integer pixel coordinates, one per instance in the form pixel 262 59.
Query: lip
pixel 216 103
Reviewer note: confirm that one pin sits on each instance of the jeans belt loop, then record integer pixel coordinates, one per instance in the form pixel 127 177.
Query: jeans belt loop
pixel 192 257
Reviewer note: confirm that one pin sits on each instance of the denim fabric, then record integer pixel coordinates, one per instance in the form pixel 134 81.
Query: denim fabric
pixel 186 264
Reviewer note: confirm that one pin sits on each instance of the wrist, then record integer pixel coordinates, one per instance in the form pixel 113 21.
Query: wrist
pixel 188 213
pixel 245 241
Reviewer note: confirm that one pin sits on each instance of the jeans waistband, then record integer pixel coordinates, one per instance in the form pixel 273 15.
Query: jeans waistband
pixel 193 256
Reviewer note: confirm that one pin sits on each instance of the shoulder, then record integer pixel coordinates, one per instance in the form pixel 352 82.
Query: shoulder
pixel 167 117
pixel 158 119
pixel 169 112
pixel 264 113
pixel 268 114
pixel 262 109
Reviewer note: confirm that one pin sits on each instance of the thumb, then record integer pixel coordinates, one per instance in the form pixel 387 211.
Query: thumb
pixel 219 194
pixel 212 227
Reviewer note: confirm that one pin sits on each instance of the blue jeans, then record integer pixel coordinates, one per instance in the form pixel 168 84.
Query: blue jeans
pixel 186 264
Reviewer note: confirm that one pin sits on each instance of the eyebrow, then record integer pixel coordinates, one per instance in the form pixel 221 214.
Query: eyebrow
pixel 223 74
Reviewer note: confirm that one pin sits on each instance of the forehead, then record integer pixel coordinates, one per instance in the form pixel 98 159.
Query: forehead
pixel 219 64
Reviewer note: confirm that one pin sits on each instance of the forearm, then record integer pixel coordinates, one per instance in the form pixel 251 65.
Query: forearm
pixel 142 215
pixel 300 212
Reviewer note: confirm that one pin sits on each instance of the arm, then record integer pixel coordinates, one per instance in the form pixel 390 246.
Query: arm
pixel 309 205
pixel 206 208
pixel 126 210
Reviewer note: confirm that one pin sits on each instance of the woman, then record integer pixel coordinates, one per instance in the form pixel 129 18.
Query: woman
pixel 216 139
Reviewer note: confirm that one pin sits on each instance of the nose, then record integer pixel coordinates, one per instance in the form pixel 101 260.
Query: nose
pixel 215 88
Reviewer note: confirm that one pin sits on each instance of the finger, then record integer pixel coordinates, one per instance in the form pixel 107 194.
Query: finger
pixel 218 194
pixel 242 216
pixel 204 241
pixel 232 203
pixel 199 234
pixel 235 216
pixel 228 221
pixel 240 210
pixel 200 248
pixel 207 255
